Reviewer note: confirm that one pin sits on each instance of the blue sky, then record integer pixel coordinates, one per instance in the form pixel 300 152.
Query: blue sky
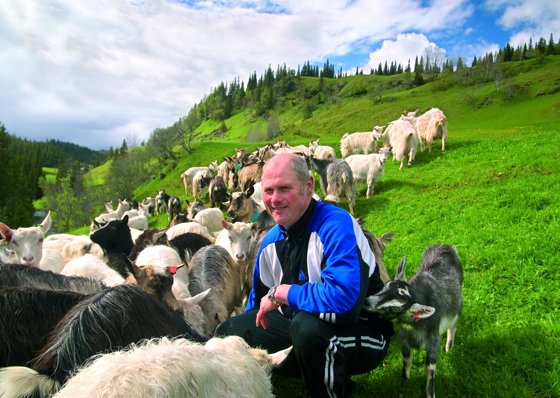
pixel 95 73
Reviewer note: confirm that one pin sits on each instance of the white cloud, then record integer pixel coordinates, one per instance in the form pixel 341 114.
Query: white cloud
pixel 96 72
pixel 405 48
pixel 528 19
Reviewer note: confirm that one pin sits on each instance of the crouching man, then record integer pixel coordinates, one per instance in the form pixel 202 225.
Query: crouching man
pixel 313 272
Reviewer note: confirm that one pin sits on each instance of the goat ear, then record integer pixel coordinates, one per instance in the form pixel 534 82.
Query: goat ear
pixel 6 232
pixel 134 271
pixel 401 274
pixel 46 223
pixel 421 311
pixel 250 190
pixel 278 357
pixel 226 225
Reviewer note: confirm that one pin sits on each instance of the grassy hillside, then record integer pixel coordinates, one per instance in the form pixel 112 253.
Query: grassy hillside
pixel 494 194
pixel 527 97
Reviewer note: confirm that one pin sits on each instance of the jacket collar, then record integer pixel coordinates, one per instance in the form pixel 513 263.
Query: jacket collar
pixel 298 229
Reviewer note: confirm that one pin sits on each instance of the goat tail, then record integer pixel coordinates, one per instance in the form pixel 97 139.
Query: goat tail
pixel 387 237
pixel 21 382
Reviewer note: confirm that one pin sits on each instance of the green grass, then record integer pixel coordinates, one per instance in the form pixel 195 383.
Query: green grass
pixel 494 194
pixel 496 197
pixel 97 175
pixel 50 174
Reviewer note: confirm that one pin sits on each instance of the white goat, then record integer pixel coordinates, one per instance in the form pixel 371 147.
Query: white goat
pixel 200 183
pixel 91 266
pixel 139 222
pixel 430 126
pixel 400 136
pixel 360 143
pixel 177 368
pixel 163 256
pixel 237 238
pixel 321 151
pixel 24 245
pixel 224 170
pixel 300 149
pixel 71 246
pixel 368 168
pixel 211 218
pixel 188 175
pixel 115 214
pixel 191 226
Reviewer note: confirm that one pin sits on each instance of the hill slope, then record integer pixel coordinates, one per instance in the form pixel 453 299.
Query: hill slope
pixel 528 97
pixel 494 194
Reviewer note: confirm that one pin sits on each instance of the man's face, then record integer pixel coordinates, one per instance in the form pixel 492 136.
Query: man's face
pixel 286 198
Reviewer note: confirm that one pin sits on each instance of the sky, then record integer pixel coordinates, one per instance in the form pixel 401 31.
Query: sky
pixel 97 72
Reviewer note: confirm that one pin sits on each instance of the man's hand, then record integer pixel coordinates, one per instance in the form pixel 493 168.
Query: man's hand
pixel 265 307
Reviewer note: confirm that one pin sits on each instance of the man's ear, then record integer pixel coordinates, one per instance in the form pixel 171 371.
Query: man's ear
pixel 420 311
pixel 310 185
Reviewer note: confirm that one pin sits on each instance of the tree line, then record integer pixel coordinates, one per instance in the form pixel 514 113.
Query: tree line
pixel 22 176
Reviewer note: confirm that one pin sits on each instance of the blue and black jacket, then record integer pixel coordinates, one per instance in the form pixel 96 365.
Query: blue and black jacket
pixel 327 259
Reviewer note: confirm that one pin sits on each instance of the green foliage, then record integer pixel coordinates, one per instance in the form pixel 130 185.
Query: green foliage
pixel 69 213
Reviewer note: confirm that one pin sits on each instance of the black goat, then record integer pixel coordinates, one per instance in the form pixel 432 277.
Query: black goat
pixel 113 319
pixel 217 192
pixel 424 307
pixel 22 276
pixel 27 316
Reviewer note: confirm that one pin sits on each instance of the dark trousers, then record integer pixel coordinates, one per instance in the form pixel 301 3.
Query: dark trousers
pixel 324 354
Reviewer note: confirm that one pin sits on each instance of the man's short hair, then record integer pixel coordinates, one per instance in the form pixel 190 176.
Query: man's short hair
pixel 299 165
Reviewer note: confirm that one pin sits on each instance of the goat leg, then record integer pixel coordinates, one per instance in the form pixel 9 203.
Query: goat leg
pixel 407 361
pixel 432 351
pixel 450 337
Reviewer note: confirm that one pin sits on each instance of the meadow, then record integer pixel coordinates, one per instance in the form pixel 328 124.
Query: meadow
pixel 494 194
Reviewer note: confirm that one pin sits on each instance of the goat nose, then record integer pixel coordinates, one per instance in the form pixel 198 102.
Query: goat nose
pixel 240 257
pixel 28 258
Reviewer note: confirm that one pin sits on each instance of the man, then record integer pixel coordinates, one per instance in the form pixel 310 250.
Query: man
pixel 313 271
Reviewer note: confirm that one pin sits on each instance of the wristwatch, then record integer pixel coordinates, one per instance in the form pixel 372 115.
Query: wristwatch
pixel 271 297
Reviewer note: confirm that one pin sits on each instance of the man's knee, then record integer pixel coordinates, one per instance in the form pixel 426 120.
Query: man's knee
pixel 306 330
pixel 235 326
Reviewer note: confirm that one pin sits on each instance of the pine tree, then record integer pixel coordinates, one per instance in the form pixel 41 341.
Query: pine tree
pixel 550 48
pixel 5 180
pixel 124 147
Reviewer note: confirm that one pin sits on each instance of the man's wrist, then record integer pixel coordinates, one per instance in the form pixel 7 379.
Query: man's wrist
pixel 271 297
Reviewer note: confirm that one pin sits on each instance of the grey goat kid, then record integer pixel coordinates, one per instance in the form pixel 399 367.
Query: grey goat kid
pixel 425 307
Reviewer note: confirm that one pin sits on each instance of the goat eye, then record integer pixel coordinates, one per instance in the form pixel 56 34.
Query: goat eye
pixel 403 291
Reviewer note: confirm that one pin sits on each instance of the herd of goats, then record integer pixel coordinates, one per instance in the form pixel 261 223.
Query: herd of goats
pixel 131 311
